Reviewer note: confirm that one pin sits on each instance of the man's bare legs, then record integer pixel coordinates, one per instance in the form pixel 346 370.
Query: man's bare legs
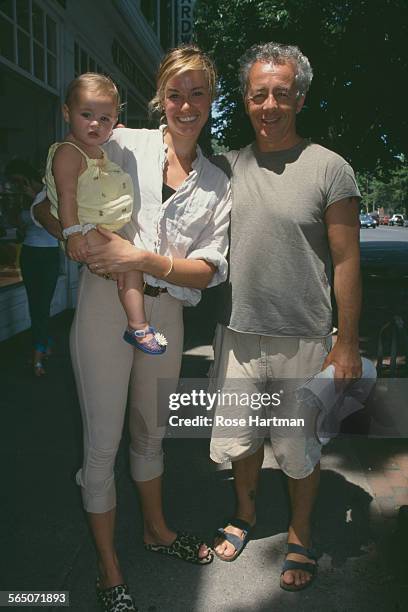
pixel 246 475
pixel 302 494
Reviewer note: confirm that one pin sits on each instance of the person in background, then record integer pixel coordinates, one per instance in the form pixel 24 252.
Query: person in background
pixel 39 263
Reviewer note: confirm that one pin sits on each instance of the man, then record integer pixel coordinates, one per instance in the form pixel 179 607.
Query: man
pixel 295 207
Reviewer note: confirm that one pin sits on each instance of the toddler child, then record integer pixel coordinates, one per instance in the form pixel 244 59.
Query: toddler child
pixel 86 189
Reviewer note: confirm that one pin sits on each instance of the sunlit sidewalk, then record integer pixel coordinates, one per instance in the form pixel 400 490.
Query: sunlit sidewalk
pixel 47 545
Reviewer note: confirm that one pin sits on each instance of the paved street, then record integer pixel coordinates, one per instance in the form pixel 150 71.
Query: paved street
pixel 384 264
pixel 384 233
pixel 45 543
pixel 385 250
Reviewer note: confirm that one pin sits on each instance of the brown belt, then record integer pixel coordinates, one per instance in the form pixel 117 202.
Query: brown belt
pixel 153 291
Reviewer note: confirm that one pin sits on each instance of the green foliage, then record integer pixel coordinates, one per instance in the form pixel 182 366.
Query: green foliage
pixel 357 49
pixel 388 190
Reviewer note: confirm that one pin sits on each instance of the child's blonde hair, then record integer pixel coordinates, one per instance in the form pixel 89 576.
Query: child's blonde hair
pixel 177 61
pixel 97 83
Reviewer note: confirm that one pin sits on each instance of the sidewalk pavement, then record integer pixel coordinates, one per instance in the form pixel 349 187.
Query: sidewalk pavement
pixel 45 543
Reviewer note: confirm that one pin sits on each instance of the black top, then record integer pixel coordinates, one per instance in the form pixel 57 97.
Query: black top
pixel 167 192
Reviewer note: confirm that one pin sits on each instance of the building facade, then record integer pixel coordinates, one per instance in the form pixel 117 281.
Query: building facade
pixel 44 44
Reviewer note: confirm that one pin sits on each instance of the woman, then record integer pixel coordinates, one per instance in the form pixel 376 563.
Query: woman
pixel 179 235
pixel 39 261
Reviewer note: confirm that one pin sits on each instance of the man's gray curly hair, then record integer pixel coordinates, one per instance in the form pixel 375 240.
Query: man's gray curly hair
pixel 276 53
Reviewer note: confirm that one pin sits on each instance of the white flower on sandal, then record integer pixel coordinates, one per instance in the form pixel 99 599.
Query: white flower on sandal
pixel 162 340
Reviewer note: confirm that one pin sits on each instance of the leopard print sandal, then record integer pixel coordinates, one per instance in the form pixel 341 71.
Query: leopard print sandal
pixel 185 547
pixel 115 599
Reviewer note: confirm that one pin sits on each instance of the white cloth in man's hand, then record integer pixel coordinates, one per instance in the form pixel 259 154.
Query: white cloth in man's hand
pixel 335 401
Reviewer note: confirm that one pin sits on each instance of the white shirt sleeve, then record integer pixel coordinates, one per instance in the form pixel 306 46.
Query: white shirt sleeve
pixel 40 197
pixel 212 243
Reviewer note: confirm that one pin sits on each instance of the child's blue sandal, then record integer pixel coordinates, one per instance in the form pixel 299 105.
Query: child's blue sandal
pixel 156 345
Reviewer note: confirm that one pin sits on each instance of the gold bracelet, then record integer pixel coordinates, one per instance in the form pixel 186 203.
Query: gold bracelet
pixel 171 266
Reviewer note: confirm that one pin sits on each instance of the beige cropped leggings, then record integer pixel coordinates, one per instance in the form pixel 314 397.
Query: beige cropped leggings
pixel 105 366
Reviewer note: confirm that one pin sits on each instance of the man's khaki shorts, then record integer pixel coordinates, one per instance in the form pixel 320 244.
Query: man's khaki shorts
pixel 248 366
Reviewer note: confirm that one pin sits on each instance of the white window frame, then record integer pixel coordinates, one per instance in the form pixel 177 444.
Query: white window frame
pixel 14 64
pixel 99 66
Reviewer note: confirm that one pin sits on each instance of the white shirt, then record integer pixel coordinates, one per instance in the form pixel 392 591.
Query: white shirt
pixel 35 235
pixel 192 223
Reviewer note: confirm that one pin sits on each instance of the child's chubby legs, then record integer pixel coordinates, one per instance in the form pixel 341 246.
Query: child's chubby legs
pixel 139 332
pixel 132 299
pixel 130 289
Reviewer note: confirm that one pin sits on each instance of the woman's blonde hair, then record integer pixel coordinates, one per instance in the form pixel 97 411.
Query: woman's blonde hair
pixel 96 83
pixel 177 61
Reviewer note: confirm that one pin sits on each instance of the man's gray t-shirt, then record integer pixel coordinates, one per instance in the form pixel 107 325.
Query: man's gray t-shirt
pixel 280 269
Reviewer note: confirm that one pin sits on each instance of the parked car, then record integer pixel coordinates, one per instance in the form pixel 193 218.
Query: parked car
pixel 384 220
pixel 375 216
pixel 367 221
pixel 397 219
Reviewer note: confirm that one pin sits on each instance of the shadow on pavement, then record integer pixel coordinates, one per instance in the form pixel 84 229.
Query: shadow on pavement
pixel 47 545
